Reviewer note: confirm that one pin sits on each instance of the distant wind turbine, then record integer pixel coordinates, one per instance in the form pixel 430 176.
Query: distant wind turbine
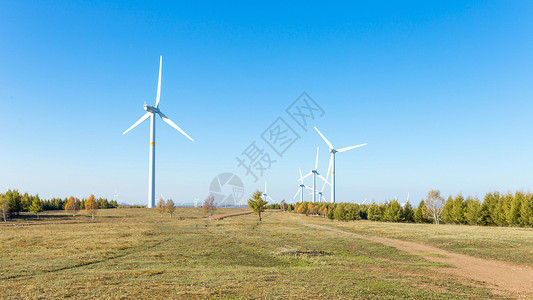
pixel 151 112
pixel 315 173
pixel 301 188
pixel 332 161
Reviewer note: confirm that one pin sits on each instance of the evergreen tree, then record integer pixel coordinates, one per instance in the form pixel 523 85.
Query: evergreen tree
pixel 25 202
pixel 352 211
pixel 514 211
pixel 14 202
pixel 340 212
pixel 392 211
pixel 459 210
pixel 257 204
pixel 36 206
pixel 373 212
pixel 331 211
pixel 447 212
pixel 526 211
pixel 408 213
pixel 473 210
pixel 420 213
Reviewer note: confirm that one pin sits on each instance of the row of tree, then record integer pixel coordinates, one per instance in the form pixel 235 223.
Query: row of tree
pixel 495 210
pixel 12 203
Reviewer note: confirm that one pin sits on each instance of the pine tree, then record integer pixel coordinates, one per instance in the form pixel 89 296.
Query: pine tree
pixel 373 212
pixel 459 210
pixel 392 211
pixel 526 211
pixel 408 213
pixel 514 211
pixel 420 213
pixel 340 212
pixel 257 204
pixel 447 212
pixel 36 206
pixel 473 210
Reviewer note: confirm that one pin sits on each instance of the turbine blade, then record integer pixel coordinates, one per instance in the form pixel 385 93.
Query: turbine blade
pixel 169 122
pixel 268 197
pixel 350 148
pixel 308 188
pixel 297 192
pixel 307 175
pixel 301 180
pixel 146 116
pixel 159 83
pixel 316 161
pixel 324 186
pixel 324 138
pixel 322 177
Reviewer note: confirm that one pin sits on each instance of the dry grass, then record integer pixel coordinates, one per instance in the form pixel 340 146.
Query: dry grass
pixel 132 253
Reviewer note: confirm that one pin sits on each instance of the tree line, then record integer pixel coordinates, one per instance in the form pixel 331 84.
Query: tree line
pixel 494 210
pixel 12 203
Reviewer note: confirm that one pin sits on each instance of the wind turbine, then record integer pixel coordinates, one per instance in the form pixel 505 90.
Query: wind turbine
pixel 315 173
pixel 151 112
pixel 403 204
pixel 301 188
pixel 332 161
pixel 265 195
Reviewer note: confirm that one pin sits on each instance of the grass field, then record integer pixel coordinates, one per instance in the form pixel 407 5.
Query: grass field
pixel 133 253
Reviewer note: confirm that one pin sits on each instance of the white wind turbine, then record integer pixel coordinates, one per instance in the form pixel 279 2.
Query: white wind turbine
pixel 151 113
pixel 301 188
pixel 315 173
pixel 265 195
pixel 332 161
pixel 321 194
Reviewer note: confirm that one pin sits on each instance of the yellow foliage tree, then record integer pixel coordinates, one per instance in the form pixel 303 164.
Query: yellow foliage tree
pixel 170 207
pixel 91 206
pixel 72 206
pixel 160 208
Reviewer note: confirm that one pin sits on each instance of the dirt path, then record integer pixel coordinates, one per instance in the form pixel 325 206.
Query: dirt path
pixel 499 275
pixel 220 217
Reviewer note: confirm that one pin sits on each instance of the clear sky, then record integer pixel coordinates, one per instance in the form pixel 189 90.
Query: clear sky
pixel 440 90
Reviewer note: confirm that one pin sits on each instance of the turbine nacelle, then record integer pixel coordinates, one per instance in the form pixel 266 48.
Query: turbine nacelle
pixel 152 109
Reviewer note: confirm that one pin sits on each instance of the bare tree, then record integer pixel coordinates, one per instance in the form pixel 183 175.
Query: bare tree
pixel 4 209
pixel 160 208
pixel 170 207
pixel 209 205
pixel 435 205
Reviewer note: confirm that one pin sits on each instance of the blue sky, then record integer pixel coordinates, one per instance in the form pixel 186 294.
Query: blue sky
pixel 440 91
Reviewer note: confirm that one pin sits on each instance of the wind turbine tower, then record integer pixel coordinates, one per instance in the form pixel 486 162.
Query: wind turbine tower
pixel 151 112
pixel 332 161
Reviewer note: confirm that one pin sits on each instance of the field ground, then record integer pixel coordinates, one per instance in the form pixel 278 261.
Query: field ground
pixel 134 253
